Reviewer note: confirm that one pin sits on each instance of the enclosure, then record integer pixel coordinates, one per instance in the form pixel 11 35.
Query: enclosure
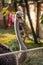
pixel 24 40
pixel 33 56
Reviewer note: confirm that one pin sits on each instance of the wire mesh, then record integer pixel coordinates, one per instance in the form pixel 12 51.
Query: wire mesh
pixel 33 56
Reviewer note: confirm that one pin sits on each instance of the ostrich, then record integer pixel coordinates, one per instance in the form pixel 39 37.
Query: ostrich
pixel 11 59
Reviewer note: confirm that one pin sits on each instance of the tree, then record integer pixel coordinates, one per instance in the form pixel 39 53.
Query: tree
pixel 4 17
pixel 28 13
pixel 15 5
pixel 37 22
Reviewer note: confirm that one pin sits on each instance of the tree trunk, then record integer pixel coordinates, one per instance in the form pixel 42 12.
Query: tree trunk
pixel 15 5
pixel 4 17
pixel 37 22
pixel 28 13
pixel 24 13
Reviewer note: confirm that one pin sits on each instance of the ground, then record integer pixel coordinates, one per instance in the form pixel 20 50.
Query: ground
pixel 34 58
pixel 8 37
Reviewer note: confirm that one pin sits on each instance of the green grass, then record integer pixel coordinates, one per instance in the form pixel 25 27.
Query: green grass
pixel 34 58
pixel 8 37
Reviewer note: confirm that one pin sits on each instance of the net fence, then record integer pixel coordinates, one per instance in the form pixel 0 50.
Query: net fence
pixel 33 56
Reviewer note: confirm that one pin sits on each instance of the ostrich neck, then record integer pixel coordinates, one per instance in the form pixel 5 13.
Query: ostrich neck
pixel 21 56
pixel 22 46
pixel 21 43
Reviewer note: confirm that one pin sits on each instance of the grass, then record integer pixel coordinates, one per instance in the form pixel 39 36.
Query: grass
pixel 8 37
pixel 34 58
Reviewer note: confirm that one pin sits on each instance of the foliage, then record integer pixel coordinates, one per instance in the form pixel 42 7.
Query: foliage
pixel 6 1
pixel 42 19
pixel 5 11
pixel 13 12
pixel 14 46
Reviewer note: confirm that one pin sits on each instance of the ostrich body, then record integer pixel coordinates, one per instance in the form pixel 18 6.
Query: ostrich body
pixel 7 59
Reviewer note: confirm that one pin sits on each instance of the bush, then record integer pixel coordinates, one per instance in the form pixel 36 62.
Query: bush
pixel 14 46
